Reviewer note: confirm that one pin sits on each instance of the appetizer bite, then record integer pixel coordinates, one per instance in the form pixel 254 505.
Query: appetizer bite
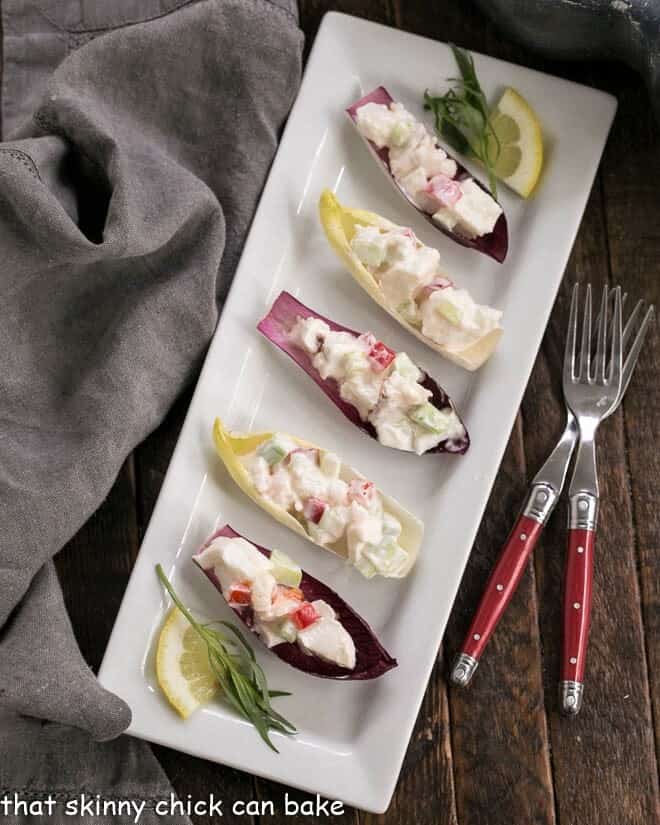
pixel 302 621
pixel 432 181
pixel 311 491
pixel 405 277
pixel 379 390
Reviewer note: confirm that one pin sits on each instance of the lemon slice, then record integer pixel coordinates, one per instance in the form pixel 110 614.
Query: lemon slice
pixel 520 159
pixel 182 665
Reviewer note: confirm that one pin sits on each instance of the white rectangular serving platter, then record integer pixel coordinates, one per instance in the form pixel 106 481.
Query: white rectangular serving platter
pixel 352 736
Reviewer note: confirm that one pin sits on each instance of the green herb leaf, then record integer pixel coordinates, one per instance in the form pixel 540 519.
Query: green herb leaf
pixel 240 676
pixel 462 117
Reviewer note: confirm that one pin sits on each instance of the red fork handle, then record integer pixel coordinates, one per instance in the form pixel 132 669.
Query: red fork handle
pixel 577 617
pixel 500 588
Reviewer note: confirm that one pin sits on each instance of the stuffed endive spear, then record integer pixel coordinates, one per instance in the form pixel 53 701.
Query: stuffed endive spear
pixel 301 620
pixel 379 390
pixel 404 276
pixel 311 491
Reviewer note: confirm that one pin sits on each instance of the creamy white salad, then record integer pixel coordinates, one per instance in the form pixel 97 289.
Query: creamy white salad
pixel 426 174
pixel 382 385
pixel 414 285
pixel 280 613
pixel 338 512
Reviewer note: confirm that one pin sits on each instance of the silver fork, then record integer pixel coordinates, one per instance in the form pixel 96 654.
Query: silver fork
pixel 539 505
pixel 591 392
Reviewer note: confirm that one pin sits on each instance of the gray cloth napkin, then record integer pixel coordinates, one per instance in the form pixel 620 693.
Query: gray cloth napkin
pixel 139 136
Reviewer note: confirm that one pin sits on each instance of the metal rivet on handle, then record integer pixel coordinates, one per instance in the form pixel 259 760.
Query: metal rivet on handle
pixel 580 549
pixel 576 605
pixel 523 536
pixel 500 587
pixel 573 660
pixel 476 637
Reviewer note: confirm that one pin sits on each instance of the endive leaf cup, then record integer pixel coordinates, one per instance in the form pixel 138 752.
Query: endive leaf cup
pixel 372 660
pixel 495 244
pixel 232 446
pixel 340 224
pixel 276 327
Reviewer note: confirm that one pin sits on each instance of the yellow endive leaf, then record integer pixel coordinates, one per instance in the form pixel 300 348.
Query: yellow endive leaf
pixel 340 223
pixel 231 446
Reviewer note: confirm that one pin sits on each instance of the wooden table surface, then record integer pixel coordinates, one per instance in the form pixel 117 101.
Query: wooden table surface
pixel 499 752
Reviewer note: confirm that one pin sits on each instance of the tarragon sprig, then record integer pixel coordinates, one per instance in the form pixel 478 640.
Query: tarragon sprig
pixel 462 117
pixel 238 673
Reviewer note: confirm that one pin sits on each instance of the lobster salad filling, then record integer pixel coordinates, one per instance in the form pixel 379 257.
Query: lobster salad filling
pixel 414 285
pixel 269 588
pixel 424 171
pixel 307 483
pixel 382 385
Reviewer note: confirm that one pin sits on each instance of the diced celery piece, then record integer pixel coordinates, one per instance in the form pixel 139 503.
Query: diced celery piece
pixel 429 417
pixel 450 312
pixel 404 366
pixel 364 566
pixel 284 569
pixel 371 253
pixel 288 631
pixel 333 520
pixel 355 362
pixel 396 432
pixel 400 133
pixel 330 466
pixel 409 311
pixel 388 556
pixel 274 450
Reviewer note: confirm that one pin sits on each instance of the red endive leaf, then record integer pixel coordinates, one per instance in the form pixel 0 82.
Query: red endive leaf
pixel 371 658
pixel 495 244
pixel 277 325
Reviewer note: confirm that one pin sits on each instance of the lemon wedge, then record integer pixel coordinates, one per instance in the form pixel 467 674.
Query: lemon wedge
pixel 517 127
pixel 182 665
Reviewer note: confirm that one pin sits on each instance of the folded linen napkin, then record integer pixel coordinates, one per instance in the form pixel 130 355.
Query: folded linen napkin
pixel 139 136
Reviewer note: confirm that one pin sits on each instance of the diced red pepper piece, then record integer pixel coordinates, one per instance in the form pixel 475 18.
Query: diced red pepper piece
pixel 363 492
pixel 240 593
pixel 305 615
pixel 444 189
pixel 313 509
pixel 381 356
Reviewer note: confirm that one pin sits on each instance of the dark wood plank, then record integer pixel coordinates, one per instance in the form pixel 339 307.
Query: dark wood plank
pixel 499 729
pixel 632 206
pixel 301 806
pixel 603 761
pixel 152 458
pixel 95 565
pixel 425 793
pixel 636 764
